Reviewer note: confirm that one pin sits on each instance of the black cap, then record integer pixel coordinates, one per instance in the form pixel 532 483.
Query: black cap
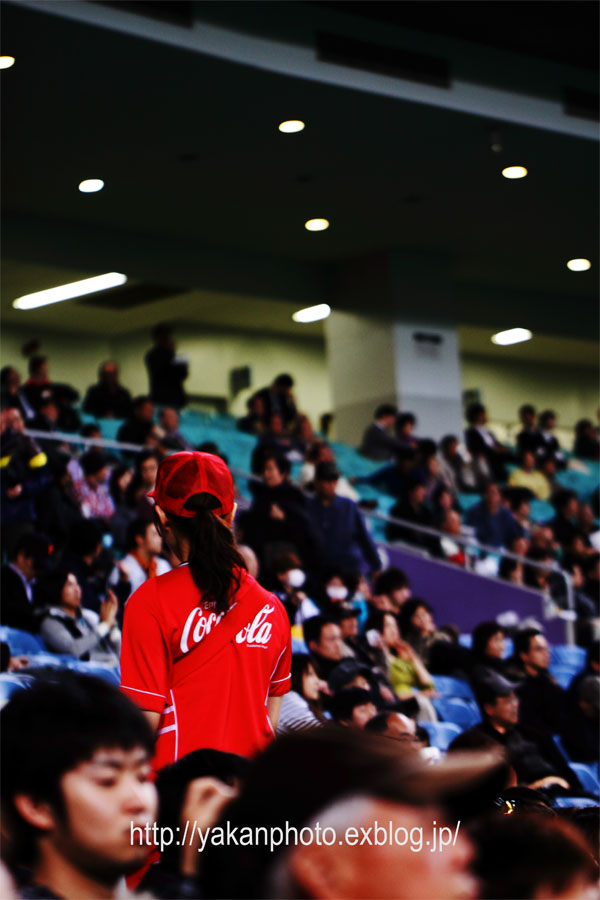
pixel 494 686
pixel 326 471
pixel 344 672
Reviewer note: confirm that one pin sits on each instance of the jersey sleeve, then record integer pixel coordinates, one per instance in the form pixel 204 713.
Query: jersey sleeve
pixel 281 677
pixel 145 654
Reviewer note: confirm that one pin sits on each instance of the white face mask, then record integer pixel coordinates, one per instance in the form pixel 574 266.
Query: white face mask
pixel 296 578
pixel 337 593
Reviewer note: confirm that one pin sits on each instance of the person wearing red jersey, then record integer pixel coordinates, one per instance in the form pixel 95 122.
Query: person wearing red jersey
pixel 206 651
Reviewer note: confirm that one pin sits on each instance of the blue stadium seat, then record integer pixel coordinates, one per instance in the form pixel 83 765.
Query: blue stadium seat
pixel 557 740
pixel 568 655
pixel 441 734
pixel 464 713
pixel 588 778
pixel 563 674
pixel 21 643
pixel 453 687
pixel 11 683
pixel 298 646
pixel 108 673
pixel 564 802
pixel 465 640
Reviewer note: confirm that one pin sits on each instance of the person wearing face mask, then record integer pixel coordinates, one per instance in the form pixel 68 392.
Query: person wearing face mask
pixel 290 589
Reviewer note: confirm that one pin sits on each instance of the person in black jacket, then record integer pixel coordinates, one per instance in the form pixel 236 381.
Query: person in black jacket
pixel 412 509
pixel 107 398
pixel 378 443
pixel 166 372
pixel 278 515
pixel 31 555
pixel 487 452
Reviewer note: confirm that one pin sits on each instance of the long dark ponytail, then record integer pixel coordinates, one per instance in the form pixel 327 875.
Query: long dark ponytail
pixel 214 560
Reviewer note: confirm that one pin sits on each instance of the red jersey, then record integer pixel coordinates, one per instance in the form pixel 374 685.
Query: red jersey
pixel 208 674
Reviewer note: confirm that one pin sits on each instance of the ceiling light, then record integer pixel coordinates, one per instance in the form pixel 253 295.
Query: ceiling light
pixel 316 224
pixel 514 172
pixel 579 265
pixel 291 126
pixel 512 336
pixel 91 185
pixel 312 313
pixel 6 62
pixel 68 291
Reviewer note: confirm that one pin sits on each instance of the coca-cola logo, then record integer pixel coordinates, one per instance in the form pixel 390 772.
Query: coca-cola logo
pixel 199 624
pixel 257 632
pixel 202 626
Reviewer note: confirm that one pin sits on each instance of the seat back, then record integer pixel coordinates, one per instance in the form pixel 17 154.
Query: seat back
pixel 464 713
pixel 453 687
pixel 587 777
pixel 441 734
pixel 21 643
pixel 563 674
pixel 568 655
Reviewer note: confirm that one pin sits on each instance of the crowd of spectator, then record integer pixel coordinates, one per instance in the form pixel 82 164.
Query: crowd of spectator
pixel 354 737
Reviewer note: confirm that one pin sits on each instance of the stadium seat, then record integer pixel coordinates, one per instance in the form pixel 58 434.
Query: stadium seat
pixel 11 683
pixel 441 734
pixel 558 741
pixel 108 673
pixel 453 687
pixel 563 674
pixel 464 713
pixel 567 655
pixel 465 640
pixel 564 802
pixel 588 778
pixel 298 646
pixel 21 643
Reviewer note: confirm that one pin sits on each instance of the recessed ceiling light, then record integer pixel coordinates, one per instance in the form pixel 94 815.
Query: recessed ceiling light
pixel 6 62
pixel 69 291
pixel 291 126
pixel 312 313
pixel 91 185
pixel 512 336
pixel 579 265
pixel 316 224
pixel 514 172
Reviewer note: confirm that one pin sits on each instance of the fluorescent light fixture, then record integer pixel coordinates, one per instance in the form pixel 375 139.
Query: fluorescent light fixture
pixel 291 126
pixel 312 313
pixel 316 224
pixel 514 172
pixel 6 62
pixel 579 265
pixel 91 185
pixel 512 336
pixel 68 291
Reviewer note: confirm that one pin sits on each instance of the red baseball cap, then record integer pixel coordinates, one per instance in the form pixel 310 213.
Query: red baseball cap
pixel 182 475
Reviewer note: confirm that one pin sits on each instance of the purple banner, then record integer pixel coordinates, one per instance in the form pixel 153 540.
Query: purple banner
pixel 464 599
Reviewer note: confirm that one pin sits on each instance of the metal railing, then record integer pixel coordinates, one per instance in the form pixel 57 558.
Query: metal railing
pixel 568 615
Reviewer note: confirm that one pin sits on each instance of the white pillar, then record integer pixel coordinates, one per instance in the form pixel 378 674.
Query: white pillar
pixel 373 361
